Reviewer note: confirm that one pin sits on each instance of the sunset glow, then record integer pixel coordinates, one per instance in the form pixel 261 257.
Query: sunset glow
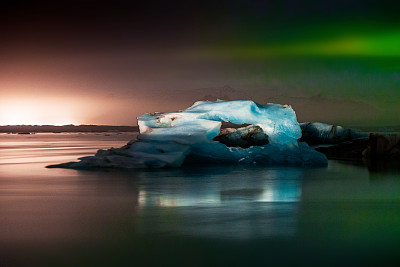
pixel 36 112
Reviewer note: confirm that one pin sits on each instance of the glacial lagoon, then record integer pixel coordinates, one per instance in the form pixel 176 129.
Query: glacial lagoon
pixel 341 214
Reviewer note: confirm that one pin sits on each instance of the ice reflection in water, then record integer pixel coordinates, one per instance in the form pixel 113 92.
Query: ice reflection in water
pixel 238 202
pixel 224 201
pixel 274 191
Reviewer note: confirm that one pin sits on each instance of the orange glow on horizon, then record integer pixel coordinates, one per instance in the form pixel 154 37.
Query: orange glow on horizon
pixel 36 112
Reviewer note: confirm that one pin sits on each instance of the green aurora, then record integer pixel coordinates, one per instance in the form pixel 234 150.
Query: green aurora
pixel 343 60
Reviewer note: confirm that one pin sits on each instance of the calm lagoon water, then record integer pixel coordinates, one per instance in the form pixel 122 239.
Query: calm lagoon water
pixel 342 214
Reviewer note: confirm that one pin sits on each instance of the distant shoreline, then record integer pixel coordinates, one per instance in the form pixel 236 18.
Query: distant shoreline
pixel 66 128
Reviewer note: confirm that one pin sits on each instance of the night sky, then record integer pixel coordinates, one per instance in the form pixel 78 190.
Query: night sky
pixel 86 62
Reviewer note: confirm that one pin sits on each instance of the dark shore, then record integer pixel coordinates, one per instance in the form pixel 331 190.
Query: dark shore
pixel 65 128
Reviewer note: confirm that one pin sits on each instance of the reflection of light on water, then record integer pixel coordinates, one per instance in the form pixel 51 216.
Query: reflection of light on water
pixel 239 203
pixel 287 194
pixel 142 198
pixel 290 192
pixel 165 200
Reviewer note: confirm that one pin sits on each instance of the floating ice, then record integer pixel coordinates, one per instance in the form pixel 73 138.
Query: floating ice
pixel 186 137
pixel 317 133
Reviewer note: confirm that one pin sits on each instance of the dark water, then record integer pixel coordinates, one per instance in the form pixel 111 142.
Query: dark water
pixel 198 216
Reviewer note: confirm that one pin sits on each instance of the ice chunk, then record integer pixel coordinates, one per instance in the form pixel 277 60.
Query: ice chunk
pixel 316 133
pixel 176 138
pixel 202 121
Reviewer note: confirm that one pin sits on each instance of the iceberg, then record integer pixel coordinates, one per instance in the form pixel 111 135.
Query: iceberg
pixel 194 136
pixel 318 133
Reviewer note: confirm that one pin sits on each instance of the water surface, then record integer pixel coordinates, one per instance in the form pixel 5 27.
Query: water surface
pixel 206 215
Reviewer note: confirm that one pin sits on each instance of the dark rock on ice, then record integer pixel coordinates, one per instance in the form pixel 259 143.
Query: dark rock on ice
pixel 243 137
pixel 317 133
